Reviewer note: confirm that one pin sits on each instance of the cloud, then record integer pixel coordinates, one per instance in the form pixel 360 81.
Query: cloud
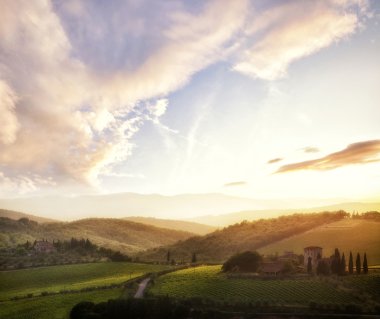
pixel 8 121
pixel 233 184
pixel 310 149
pixel 293 30
pixel 79 80
pixel 67 116
pixel 357 153
pixel 275 160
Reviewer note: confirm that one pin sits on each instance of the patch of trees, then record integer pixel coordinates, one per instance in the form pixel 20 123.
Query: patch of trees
pixel 372 215
pixel 83 247
pixel 248 261
pixel 337 264
pixel 164 308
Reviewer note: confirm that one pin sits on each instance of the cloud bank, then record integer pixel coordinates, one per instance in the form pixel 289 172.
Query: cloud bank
pixel 78 80
pixel 357 153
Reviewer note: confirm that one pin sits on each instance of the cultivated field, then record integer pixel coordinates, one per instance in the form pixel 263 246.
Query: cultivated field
pixel 52 307
pixel 208 282
pixel 69 277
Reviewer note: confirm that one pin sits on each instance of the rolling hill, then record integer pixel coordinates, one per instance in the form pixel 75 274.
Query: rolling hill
pixel 221 244
pixel 17 215
pixel 285 233
pixel 123 235
pixel 191 227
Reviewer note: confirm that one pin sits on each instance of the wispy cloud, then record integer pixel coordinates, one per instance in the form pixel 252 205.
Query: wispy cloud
pixel 233 184
pixel 275 160
pixel 293 30
pixel 357 153
pixel 310 149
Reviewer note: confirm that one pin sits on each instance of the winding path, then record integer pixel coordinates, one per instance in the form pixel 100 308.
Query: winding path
pixel 141 289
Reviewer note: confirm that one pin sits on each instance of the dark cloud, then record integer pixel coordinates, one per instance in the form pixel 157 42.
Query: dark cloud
pixel 310 149
pixel 357 153
pixel 275 160
pixel 239 183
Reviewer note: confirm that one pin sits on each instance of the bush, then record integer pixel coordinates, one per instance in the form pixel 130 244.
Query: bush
pixel 248 261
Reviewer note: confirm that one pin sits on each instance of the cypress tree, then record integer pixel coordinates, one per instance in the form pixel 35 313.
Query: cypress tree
pixel 168 256
pixel 365 264
pixel 351 264
pixel 343 265
pixel 335 264
pixel 358 264
pixel 309 267
pixel 194 258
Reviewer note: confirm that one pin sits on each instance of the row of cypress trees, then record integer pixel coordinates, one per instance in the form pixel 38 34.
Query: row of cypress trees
pixel 338 264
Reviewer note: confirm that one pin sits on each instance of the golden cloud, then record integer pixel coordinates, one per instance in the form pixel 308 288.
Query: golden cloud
pixel 356 153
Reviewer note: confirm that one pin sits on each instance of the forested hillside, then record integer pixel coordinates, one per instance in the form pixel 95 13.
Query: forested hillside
pixel 221 244
pixel 126 236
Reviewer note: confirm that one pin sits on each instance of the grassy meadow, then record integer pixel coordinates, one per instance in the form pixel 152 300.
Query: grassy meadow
pixel 69 277
pixel 53 307
pixel 347 235
pixel 37 281
pixel 208 282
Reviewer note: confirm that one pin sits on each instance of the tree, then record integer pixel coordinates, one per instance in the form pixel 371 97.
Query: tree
pixel 323 268
pixel 365 264
pixel 168 256
pixel 358 264
pixel 351 264
pixel 248 261
pixel 194 258
pixel 342 265
pixel 309 267
pixel 335 264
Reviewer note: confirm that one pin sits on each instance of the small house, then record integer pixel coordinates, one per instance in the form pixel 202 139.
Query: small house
pixel 271 268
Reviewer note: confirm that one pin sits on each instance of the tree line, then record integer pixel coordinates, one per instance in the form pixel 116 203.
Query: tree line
pixel 336 264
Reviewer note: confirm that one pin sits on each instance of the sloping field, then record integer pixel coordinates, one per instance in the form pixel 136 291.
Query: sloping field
pixel 347 235
pixel 69 277
pixel 52 307
pixel 209 283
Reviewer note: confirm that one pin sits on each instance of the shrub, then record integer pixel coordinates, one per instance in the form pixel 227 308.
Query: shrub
pixel 248 261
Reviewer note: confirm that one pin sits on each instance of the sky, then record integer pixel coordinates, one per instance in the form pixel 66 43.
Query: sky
pixel 258 99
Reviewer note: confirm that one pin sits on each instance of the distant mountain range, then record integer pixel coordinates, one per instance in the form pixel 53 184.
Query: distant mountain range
pixel 250 215
pixel 129 204
pixel 201 208
pixel 191 227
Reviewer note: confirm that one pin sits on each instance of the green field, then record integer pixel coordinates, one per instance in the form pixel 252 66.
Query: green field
pixel 52 307
pixel 209 283
pixel 347 235
pixel 69 277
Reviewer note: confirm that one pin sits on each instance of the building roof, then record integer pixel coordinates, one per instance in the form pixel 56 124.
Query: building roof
pixel 272 267
pixel 312 247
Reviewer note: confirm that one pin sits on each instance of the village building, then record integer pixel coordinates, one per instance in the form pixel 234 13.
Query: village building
pixel 314 253
pixel 272 268
pixel 43 246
